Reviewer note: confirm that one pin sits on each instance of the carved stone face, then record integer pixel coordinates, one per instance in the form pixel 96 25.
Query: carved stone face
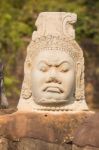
pixel 53 77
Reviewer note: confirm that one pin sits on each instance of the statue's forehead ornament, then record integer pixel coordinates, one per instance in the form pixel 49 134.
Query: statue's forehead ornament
pixel 55 43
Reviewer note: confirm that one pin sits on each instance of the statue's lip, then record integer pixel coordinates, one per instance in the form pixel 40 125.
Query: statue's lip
pixel 54 89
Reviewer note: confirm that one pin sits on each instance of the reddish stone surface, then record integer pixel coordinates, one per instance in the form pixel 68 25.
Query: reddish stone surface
pixel 50 127
pixel 88 133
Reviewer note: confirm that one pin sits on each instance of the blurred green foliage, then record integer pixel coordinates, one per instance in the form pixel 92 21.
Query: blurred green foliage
pixel 17 19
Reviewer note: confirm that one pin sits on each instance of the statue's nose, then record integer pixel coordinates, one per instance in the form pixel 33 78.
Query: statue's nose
pixel 53 72
pixel 53 76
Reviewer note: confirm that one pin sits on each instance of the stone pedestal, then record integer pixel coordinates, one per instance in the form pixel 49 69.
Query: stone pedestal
pixel 41 130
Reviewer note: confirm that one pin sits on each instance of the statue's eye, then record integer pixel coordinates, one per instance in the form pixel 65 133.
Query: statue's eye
pixel 64 68
pixel 43 67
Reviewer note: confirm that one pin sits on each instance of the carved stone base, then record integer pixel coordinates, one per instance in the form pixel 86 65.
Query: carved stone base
pixel 40 130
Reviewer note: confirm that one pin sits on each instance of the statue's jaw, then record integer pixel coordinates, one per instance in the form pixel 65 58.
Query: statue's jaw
pixel 52 102
pixel 30 106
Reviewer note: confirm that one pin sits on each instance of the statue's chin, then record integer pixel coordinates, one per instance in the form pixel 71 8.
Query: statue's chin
pixel 51 102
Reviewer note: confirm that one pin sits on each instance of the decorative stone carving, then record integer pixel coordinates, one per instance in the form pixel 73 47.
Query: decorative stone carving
pixel 54 66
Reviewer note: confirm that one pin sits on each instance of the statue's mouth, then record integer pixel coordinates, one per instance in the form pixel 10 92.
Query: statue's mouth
pixel 53 89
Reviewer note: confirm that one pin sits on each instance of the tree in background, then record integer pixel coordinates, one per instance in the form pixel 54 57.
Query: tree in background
pixel 17 20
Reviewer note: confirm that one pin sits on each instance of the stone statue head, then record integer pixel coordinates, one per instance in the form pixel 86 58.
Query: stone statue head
pixel 54 66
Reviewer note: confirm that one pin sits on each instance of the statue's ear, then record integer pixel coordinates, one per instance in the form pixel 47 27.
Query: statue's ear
pixel 27 66
pixel 79 93
pixel 26 92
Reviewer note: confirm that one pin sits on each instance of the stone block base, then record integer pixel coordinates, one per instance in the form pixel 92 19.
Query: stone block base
pixel 41 130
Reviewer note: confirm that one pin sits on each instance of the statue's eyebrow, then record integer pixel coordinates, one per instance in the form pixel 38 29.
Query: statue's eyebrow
pixel 45 62
pixel 63 62
pixel 56 65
